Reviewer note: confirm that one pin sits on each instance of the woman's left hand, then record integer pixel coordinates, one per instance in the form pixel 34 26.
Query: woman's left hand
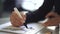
pixel 53 19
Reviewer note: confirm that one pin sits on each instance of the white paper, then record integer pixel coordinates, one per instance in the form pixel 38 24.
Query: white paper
pixel 32 28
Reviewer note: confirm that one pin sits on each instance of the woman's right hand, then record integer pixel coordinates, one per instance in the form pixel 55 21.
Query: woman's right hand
pixel 16 20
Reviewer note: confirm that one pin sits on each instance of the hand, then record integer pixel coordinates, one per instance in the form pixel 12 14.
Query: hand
pixel 53 19
pixel 51 15
pixel 16 20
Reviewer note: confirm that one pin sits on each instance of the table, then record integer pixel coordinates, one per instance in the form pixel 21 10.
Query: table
pixel 40 31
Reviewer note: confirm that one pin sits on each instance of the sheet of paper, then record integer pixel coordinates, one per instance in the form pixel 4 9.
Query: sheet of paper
pixel 32 28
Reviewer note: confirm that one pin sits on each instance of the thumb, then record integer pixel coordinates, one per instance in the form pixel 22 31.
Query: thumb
pixel 23 15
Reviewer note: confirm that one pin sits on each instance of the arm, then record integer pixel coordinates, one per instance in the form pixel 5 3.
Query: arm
pixel 32 17
pixel 41 12
pixel 57 6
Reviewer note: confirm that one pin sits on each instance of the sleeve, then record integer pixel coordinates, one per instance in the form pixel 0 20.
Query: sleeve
pixel 40 13
pixel 57 6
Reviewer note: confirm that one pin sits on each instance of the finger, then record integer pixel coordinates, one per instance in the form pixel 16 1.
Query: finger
pixel 16 16
pixel 13 20
pixel 18 23
pixel 16 19
pixel 23 15
pixel 14 13
pixel 51 22
pixel 49 14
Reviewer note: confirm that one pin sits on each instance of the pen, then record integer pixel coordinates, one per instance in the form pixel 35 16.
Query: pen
pixel 16 10
pixel 25 25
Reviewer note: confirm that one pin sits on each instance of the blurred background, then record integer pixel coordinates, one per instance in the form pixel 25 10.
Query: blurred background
pixel 6 7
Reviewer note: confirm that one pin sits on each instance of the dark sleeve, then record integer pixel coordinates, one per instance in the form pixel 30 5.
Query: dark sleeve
pixel 40 13
pixel 57 6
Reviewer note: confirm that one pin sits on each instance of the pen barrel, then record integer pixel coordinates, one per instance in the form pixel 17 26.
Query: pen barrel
pixel 17 12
